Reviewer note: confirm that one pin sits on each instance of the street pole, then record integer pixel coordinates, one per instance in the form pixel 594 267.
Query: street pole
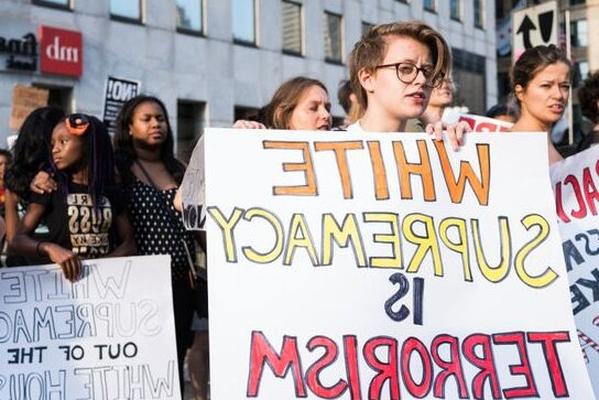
pixel 570 107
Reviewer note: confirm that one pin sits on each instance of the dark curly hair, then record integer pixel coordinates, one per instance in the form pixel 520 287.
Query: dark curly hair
pixel 534 60
pixel 588 96
pixel 123 143
pixel 31 152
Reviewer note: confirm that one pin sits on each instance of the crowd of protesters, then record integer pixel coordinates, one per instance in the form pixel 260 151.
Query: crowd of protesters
pixel 65 167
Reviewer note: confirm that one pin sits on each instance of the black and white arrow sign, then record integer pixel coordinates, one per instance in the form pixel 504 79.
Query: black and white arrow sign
pixel 535 26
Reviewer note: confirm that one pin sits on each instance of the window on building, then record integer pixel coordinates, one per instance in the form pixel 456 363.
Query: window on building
pixel 127 10
pixel 581 72
pixel 65 4
pixel 579 33
pixel 454 10
pixel 244 21
pixel 478 13
pixel 576 2
pixel 333 40
pixel 429 5
pixel 292 27
pixel 190 124
pixel 469 73
pixel 366 27
pixel 190 16
pixel 59 96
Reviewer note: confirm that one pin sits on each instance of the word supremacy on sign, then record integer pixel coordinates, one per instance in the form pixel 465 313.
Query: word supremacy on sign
pixel 384 266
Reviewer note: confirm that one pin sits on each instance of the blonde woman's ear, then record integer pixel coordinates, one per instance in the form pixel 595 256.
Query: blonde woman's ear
pixel 366 79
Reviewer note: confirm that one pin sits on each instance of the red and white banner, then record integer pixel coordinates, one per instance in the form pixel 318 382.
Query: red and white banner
pixel 479 123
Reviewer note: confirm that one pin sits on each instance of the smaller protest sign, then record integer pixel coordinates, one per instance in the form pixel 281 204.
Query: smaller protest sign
pixel 25 99
pixel 479 123
pixel 575 182
pixel 118 91
pixel 109 335
pixel 192 190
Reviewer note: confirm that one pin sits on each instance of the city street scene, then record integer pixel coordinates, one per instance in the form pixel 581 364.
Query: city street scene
pixel 285 199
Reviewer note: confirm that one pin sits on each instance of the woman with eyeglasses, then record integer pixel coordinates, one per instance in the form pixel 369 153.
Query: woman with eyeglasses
pixel 86 197
pixel 541 86
pixel 393 70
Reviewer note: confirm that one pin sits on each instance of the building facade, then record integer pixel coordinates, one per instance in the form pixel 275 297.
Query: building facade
pixel 211 61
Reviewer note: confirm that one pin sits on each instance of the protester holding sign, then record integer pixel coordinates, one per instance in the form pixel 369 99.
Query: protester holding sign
pixel 151 175
pixel 393 69
pixel 541 84
pixel 31 154
pixel 86 197
pixel 300 103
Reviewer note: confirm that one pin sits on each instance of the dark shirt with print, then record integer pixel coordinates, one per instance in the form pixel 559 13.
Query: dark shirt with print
pixel 76 224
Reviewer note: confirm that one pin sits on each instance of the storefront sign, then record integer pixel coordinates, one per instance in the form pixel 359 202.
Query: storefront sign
pixel 61 52
pixel 21 52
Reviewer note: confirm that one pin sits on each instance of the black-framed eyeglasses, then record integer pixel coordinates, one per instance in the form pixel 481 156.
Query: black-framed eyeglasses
pixel 407 72
pixel 77 123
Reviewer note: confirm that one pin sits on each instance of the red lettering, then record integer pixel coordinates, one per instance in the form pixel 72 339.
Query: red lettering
pixel 486 127
pixel 419 390
pixel 485 363
pixel 582 211
pixel 590 191
pixel 261 352
pixel 548 340
pixel 350 344
pixel 559 203
pixel 453 367
pixel 530 390
pixel 470 121
pixel 386 371
pixel 328 358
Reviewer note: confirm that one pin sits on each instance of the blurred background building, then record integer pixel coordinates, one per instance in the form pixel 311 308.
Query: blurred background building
pixel 584 25
pixel 213 61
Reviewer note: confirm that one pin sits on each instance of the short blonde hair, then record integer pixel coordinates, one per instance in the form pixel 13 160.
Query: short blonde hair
pixel 370 51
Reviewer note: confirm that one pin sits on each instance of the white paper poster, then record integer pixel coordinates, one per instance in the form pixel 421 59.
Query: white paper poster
pixel 110 335
pixel 386 266
pixel 575 184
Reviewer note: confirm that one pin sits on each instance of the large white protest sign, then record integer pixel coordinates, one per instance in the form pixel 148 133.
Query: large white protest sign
pixel 385 266
pixel 575 183
pixel 108 336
